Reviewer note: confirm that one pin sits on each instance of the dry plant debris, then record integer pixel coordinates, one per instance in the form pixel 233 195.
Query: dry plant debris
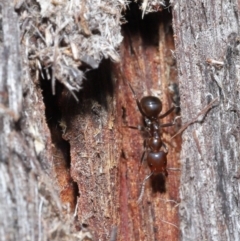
pixel 148 6
pixel 65 38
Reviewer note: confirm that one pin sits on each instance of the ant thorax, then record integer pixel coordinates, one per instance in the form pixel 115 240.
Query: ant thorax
pixel 152 124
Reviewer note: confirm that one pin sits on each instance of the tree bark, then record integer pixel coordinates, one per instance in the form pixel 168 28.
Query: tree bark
pixel 88 144
pixel 94 158
pixel 30 208
pixel 207 52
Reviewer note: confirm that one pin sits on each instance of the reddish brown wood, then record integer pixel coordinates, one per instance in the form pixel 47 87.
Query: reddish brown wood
pixel 95 150
pixel 147 63
pixel 105 156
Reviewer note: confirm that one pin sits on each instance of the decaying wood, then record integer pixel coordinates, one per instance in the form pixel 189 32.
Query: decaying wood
pixel 147 63
pixel 30 208
pixel 99 145
pixel 93 158
pixel 105 156
pixel 94 151
pixel 102 157
pixel 207 31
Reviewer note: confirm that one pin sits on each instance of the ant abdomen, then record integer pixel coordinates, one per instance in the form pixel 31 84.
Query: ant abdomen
pixel 151 106
pixel 157 162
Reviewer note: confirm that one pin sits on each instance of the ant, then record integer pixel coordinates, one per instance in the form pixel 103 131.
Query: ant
pixel 156 151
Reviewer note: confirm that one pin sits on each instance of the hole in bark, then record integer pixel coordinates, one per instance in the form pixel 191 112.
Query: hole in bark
pixel 98 85
pixel 84 225
pixel 79 126
pixel 60 147
pixel 124 115
pixel 123 155
pixel 148 27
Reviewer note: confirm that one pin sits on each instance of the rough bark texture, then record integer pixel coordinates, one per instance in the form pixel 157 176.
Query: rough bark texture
pixel 206 32
pixel 93 160
pixel 30 208
pixel 86 151
pixel 92 157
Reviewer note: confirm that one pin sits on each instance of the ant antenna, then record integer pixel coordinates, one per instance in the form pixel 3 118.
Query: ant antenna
pixel 201 114
pixel 143 188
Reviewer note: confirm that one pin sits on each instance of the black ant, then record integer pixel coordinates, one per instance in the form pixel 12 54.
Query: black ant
pixel 156 151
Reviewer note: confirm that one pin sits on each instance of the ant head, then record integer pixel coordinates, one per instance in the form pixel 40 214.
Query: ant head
pixel 151 106
pixel 157 162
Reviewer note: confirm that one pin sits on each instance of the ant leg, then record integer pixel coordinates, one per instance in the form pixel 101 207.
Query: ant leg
pixel 143 155
pixel 168 124
pixel 142 158
pixel 171 123
pixel 165 147
pixel 137 101
pixel 167 113
pixel 140 128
